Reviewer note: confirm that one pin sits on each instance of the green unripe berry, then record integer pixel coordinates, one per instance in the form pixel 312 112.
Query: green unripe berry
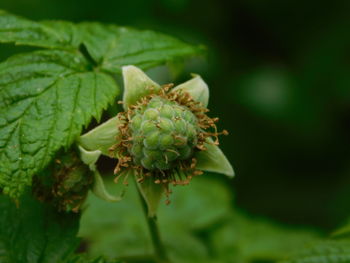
pixel 163 133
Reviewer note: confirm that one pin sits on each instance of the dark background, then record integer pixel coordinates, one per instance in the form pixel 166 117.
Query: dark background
pixel 279 76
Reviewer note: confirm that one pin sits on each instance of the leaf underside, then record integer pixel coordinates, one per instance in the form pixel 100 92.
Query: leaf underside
pixel 48 96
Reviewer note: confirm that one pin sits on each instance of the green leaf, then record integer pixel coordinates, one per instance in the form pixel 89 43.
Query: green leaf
pixel 46 97
pixel 114 46
pixel 22 31
pixel 252 239
pixel 214 160
pixel 109 228
pixel 35 233
pixel 110 46
pixel 199 206
pixel 199 225
pixel 84 259
pixel 330 251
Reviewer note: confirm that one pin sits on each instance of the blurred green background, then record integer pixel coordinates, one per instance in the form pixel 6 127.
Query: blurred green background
pixel 279 76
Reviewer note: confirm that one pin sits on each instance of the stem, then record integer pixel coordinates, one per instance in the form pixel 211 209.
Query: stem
pixel 158 246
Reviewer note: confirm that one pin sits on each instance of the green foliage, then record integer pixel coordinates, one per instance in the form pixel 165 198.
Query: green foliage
pixel 34 232
pixel 48 96
pixel 330 251
pixel 199 225
pixel 109 46
pixel 343 231
pixel 126 46
pixel 253 239
pixel 289 97
pixel 45 100
pixel 22 31
pixel 84 259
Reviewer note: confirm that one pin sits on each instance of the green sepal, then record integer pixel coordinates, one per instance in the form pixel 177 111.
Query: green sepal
pixel 102 137
pixel 89 157
pixel 214 160
pixel 197 88
pixel 99 189
pixel 152 194
pixel 136 85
